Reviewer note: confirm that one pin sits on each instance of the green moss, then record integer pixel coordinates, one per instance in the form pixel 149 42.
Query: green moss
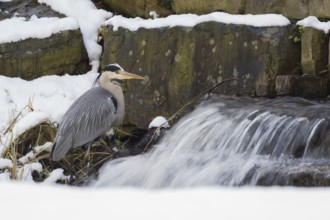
pixel 183 73
pixel 60 53
pixel 165 3
pixel 296 34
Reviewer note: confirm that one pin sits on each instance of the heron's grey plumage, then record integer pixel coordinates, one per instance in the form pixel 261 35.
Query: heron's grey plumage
pixel 90 116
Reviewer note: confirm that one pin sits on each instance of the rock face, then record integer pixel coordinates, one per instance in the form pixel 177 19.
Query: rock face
pixel 311 87
pixel 61 53
pixel 26 9
pixel 140 8
pixel 31 58
pixel 314 56
pixel 182 62
pixel 293 9
pixel 207 6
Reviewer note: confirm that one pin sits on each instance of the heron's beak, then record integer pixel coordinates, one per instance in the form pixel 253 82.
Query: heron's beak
pixel 127 75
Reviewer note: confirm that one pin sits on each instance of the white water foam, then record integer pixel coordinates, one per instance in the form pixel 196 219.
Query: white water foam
pixel 234 142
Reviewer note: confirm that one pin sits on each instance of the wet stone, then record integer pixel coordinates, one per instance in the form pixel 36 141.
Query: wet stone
pixel 314 57
pixel 310 87
pixel 284 84
pixel 26 9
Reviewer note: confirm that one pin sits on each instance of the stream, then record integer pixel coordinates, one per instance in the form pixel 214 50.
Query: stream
pixel 230 141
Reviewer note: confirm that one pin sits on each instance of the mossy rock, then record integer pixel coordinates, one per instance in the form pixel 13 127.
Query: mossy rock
pixel 314 57
pixel 293 9
pixel 140 8
pixel 60 53
pixel 181 62
pixel 208 6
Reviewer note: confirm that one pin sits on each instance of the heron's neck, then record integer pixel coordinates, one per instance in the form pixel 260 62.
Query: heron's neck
pixel 117 93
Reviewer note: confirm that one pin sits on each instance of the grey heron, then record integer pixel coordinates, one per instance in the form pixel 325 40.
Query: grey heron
pixel 93 113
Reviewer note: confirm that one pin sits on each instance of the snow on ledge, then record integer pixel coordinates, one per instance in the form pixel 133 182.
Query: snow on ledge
pixel 159 121
pixel 18 28
pixel 190 20
pixel 89 18
pixel 313 22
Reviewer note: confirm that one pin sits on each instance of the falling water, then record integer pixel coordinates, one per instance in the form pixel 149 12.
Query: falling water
pixel 234 142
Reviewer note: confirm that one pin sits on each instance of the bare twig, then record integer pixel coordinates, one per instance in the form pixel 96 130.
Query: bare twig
pixel 14 121
pixel 182 109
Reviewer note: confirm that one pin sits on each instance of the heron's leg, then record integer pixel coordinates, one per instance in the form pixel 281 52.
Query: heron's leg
pixel 87 155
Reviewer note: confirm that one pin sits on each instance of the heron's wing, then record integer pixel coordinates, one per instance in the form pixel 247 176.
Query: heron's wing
pixel 89 117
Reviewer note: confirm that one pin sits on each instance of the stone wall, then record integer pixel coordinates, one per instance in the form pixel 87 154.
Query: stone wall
pixel 60 53
pixel 314 52
pixel 293 9
pixel 182 62
pixel 31 58
pixel 140 8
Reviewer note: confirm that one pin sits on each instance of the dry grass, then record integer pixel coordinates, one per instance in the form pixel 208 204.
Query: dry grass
pixel 74 164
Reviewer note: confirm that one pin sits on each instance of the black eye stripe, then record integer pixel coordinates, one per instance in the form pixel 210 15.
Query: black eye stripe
pixel 112 68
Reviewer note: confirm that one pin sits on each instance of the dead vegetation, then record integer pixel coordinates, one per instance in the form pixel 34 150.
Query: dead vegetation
pixel 28 148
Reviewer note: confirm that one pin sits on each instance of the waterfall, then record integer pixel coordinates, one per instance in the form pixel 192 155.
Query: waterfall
pixel 233 142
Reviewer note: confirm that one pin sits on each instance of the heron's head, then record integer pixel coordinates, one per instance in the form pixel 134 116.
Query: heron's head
pixel 115 72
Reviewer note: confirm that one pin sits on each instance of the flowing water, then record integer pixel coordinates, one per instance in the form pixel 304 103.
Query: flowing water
pixel 233 142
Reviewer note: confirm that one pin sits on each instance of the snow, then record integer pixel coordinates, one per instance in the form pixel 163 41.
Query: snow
pixel 194 203
pixel 57 174
pixel 5 163
pixel 4 177
pixel 18 28
pixel 190 20
pixel 313 22
pixel 159 121
pixel 153 14
pixel 83 15
pixel 29 121
pixel 32 154
pixel 50 95
pixel 89 18
pixel 25 173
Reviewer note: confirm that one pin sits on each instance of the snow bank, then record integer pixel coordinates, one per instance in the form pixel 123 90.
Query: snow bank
pixel 197 203
pixel 89 18
pixel 313 22
pixel 189 20
pixel 18 28
pixel 4 177
pixel 50 95
pixel 29 121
